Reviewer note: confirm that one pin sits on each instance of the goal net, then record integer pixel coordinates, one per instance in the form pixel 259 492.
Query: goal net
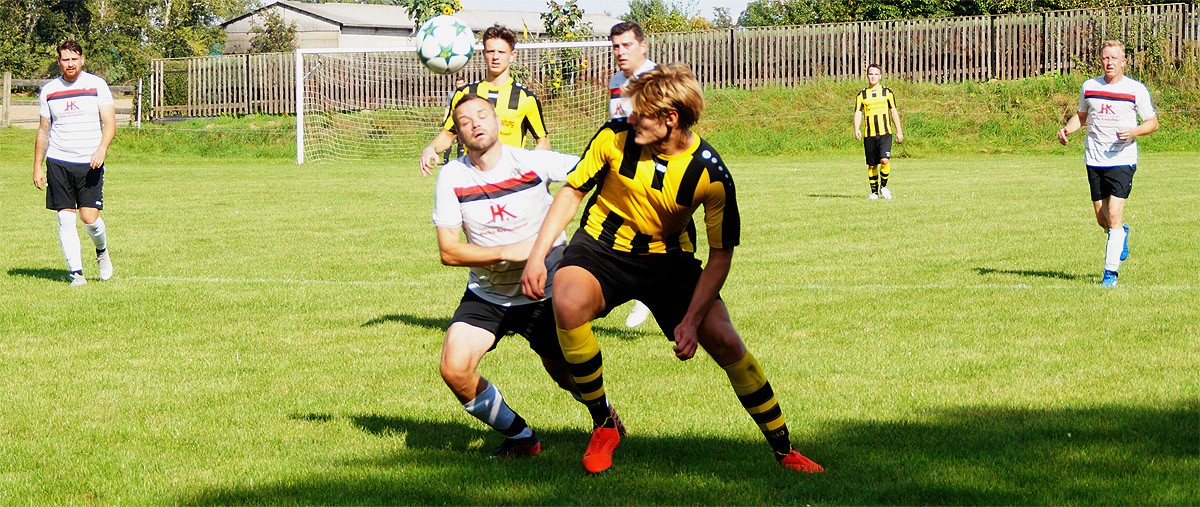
pixel 382 104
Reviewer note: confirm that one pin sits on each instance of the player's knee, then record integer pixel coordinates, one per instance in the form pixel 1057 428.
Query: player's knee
pixel 721 341
pixel 454 374
pixel 885 161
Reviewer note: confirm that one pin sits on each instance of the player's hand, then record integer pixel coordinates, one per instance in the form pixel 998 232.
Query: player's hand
pixel 1062 136
pixel 899 137
pixel 858 134
pixel 533 279
pixel 39 178
pixel 429 159
pixel 686 340
pixel 98 157
pixel 1126 134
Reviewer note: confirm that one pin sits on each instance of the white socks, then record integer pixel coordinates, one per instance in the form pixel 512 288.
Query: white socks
pixel 1112 250
pixel 68 237
pixel 96 231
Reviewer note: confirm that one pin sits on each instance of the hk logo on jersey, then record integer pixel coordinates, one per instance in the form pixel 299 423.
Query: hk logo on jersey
pixel 71 106
pixel 1106 109
pixel 498 214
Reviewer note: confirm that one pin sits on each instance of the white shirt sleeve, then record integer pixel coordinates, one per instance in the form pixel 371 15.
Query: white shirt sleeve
pixel 552 165
pixel 43 106
pixel 104 95
pixel 446 212
pixel 1145 108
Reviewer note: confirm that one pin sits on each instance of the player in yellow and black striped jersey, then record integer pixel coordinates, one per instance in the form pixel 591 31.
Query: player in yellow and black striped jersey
pixel 873 107
pixel 654 214
pixel 517 107
pixel 637 241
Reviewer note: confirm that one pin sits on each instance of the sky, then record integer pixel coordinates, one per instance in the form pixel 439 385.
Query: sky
pixel 614 7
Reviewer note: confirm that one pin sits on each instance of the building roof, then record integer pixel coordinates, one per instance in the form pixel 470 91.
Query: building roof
pixel 396 17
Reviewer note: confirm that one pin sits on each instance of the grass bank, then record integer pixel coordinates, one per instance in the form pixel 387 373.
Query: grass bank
pixel 1006 117
pixel 993 117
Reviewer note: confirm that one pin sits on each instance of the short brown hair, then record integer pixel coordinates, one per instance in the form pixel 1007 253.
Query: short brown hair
pixel 70 45
pixel 1113 44
pixel 627 26
pixel 666 88
pixel 498 31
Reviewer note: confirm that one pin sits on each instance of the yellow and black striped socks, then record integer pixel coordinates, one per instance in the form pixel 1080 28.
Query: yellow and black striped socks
pixel 754 392
pixel 885 170
pixel 582 352
pixel 873 178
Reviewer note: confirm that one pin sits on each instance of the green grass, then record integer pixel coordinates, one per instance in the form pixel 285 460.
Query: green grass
pixel 273 332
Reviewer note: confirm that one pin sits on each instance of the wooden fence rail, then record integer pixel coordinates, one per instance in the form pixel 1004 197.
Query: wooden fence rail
pixel 970 48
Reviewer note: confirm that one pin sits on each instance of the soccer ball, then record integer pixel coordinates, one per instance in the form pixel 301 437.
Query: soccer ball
pixel 445 44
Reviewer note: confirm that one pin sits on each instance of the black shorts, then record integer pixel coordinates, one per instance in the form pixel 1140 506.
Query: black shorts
pixel 664 282
pixel 877 148
pixel 72 186
pixel 1116 181
pixel 533 321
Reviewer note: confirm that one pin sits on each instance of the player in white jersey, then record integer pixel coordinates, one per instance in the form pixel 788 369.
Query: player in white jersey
pixel 497 197
pixel 78 122
pixel 629 48
pixel 1110 106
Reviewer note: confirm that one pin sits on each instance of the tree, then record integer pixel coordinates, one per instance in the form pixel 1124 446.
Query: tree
pixel 721 18
pixel 564 21
pixel 422 10
pixel 274 36
pixel 658 16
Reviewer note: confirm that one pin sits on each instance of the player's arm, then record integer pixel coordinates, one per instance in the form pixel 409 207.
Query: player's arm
pixel 40 145
pixel 429 156
pixel 108 125
pixel 535 124
pixel 562 210
pixel 456 252
pixel 858 124
pixel 1147 127
pixel 1073 123
pixel 895 113
pixel 712 278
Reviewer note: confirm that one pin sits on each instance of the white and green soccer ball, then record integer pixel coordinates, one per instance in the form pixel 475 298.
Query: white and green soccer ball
pixel 445 44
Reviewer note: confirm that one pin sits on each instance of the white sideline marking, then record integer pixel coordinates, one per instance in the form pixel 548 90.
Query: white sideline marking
pixel 735 286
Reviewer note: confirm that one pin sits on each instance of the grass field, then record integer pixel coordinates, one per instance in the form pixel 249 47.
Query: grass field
pixel 273 331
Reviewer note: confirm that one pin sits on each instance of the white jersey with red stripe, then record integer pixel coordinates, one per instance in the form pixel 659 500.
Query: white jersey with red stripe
pixel 1111 107
pixel 74 113
pixel 618 106
pixel 501 206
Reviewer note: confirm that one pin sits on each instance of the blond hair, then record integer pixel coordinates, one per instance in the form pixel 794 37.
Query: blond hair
pixel 668 88
pixel 1113 44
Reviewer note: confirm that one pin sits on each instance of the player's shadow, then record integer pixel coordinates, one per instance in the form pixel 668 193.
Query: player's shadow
pixel 1057 275
pixel 57 275
pixel 439 323
pixel 1112 454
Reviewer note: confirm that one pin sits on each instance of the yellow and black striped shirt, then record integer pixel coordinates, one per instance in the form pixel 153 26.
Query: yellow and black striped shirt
pixel 644 202
pixel 517 108
pixel 875 103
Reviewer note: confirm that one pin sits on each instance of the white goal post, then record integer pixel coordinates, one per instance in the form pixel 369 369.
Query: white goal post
pixel 382 104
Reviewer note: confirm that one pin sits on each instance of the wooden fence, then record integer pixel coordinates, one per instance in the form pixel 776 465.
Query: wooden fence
pixel 972 48
pixel 7 104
